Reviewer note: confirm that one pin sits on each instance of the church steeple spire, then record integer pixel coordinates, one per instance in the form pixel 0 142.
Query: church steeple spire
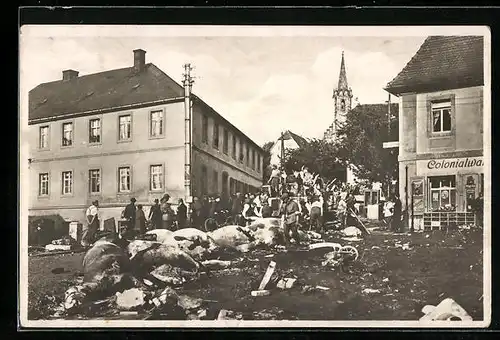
pixel 343 76
pixel 342 102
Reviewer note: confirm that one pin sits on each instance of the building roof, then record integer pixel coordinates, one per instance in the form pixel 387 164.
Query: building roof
pixel 108 91
pixel 342 75
pixel 103 90
pixel 301 141
pixel 442 62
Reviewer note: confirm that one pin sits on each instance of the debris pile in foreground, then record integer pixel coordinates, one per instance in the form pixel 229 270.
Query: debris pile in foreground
pixel 160 291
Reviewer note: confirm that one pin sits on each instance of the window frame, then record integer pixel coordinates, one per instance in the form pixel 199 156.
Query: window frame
pixel 150 121
pixel 248 155
pixel 204 128
pixel 451 190
pixel 436 100
pixel 253 159
pixel 234 146
pixel 225 141
pixel 40 195
pixel 440 108
pixel 258 162
pixel 95 193
pixel 204 180
pixel 63 194
pixel 90 130
pixel 40 137
pixel 119 192
pixel 119 140
pixel 215 180
pixel 215 136
pixel 72 123
pixel 241 156
pixel 162 177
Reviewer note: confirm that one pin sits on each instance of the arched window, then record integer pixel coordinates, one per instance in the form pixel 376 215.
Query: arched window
pixel 342 104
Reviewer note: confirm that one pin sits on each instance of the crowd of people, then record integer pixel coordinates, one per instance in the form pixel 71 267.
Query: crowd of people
pixel 300 198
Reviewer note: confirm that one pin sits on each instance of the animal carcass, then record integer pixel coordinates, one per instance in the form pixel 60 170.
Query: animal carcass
pixel 162 235
pixel 195 242
pixel 106 268
pixel 149 254
pixel 267 222
pixel 232 237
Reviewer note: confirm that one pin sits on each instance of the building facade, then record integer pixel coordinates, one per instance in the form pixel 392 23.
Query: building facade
pixel 441 166
pixel 119 134
pixel 291 141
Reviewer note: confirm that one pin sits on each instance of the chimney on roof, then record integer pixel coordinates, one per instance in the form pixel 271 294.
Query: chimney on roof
pixel 139 60
pixel 70 74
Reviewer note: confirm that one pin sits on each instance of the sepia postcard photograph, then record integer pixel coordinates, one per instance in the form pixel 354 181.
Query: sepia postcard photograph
pixel 254 176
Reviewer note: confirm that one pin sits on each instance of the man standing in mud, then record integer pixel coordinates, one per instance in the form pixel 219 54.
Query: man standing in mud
pixel 155 215
pixel 89 233
pixel 129 214
pixel 290 213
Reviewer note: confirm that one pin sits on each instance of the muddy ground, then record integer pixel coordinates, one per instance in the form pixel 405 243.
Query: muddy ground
pixel 437 265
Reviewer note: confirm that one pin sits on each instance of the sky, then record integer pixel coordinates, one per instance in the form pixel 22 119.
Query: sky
pixel 262 83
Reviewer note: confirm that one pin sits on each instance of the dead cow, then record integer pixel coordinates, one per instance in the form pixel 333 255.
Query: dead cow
pixel 105 256
pixel 267 231
pixel 161 235
pixel 195 242
pixel 106 268
pixel 150 254
pixel 232 237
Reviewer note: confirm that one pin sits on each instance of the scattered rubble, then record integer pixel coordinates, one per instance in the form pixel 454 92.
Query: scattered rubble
pixel 286 283
pixel 448 309
pixel 130 299
pixel 351 232
pixel 370 291
pixel 225 314
pixel 157 290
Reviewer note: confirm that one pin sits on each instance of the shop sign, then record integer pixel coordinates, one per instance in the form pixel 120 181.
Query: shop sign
pixel 454 163
pixel 450 165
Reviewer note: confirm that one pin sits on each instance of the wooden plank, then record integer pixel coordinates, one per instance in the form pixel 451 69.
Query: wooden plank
pixel 362 226
pixel 267 275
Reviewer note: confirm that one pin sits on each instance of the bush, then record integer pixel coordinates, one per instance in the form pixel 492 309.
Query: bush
pixel 43 229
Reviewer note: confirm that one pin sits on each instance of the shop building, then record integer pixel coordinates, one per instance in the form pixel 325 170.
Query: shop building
pixel 441 165
pixel 118 134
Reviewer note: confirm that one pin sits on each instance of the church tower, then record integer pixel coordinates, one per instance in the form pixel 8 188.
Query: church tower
pixel 342 102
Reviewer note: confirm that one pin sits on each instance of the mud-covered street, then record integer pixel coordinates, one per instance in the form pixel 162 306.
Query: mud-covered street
pixel 395 276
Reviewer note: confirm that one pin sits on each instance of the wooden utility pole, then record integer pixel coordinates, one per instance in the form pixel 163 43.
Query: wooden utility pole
pixel 188 83
pixel 389 116
pixel 282 151
pixel 389 140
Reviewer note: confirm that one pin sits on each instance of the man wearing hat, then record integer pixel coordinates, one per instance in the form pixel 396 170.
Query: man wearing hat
pixel 90 231
pixel 129 214
pixel 290 214
pixel 168 214
pixel 155 215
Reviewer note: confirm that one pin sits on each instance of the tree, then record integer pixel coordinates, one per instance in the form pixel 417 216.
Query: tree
pixel 360 142
pixel 266 161
pixel 320 156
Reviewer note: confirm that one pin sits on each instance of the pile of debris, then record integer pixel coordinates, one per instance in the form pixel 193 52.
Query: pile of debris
pixel 144 278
